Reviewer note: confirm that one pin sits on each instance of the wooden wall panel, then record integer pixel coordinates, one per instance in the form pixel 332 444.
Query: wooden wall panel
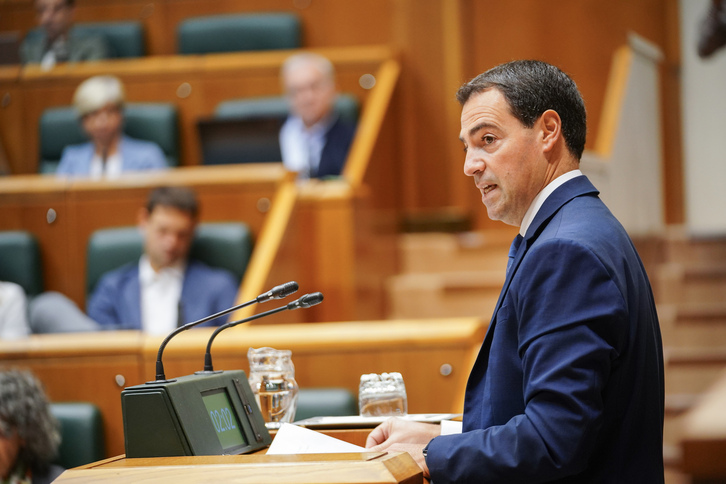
pixel 440 42
pixel 578 36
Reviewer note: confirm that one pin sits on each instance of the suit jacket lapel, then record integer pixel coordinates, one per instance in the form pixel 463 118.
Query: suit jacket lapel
pixel 573 188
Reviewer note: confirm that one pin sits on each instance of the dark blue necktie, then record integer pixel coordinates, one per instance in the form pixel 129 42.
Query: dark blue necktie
pixel 513 251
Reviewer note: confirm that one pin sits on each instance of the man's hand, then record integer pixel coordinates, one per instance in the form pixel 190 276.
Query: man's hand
pixel 396 435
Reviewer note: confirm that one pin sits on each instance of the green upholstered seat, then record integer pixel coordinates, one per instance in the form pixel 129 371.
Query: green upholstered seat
pixel 20 261
pixel 60 127
pixel 346 105
pixel 242 32
pixel 220 244
pixel 125 39
pixel 325 402
pixel 81 428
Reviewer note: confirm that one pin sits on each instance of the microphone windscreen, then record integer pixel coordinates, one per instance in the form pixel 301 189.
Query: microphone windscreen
pixel 285 290
pixel 311 299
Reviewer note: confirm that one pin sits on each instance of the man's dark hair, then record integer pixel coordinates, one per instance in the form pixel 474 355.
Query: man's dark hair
pixel 181 198
pixel 531 88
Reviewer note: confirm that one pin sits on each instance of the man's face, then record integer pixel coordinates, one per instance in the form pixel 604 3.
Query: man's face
pixel 168 234
pixel 502 155
pixel 103 125
pixel 54 16
pixel 310 92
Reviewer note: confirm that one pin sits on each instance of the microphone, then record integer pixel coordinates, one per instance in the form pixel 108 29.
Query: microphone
pixel 304 302
pixel 277 292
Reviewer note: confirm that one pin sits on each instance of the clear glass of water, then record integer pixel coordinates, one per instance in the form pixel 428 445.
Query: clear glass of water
pixel 382 395
pixel 272 379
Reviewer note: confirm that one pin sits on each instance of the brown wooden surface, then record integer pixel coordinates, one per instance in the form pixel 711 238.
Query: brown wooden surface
pixel 95 367
pixel 441 43
pixel 703 439
pixel 310 468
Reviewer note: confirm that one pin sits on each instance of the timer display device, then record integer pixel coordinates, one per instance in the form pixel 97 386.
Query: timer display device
pixel 224 419
pixel 208 413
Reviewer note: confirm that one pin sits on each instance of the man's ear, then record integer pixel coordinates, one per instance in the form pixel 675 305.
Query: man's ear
pixel 551 126
pixel 142 217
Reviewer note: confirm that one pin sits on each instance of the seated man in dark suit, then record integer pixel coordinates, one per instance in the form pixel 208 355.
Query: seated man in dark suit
pixel 165 288
pixel 57 44
pixel 314 140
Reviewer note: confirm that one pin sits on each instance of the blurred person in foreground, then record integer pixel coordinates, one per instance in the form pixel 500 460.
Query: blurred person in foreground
pixel 568 384
pixel 29 434
pixel 314 140
pixel 56 43
pixel 165 288
pixel 99 102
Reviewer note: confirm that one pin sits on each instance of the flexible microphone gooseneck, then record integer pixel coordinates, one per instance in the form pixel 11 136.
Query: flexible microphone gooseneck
pixel 277 292
pixel 304 302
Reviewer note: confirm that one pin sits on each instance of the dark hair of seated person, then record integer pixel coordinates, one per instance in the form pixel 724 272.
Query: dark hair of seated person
pixel 29 434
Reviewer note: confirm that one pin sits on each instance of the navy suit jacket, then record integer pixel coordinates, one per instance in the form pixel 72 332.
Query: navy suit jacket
pixel 337 144
pixel 568 384
pixel 116 301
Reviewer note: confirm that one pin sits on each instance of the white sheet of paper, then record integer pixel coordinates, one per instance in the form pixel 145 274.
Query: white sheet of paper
pixel 292 439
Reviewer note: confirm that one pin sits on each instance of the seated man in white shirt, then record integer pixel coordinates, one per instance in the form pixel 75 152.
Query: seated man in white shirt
pixel 314 140
pixel 13 317
pixel 165 288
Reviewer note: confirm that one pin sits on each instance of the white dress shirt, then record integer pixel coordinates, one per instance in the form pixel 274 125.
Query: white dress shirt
pixel 542 196
pixel 302 147
pixel 160 296
pixel 13 319
pixel 112 168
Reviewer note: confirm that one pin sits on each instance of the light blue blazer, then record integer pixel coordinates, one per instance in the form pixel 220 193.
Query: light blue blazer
pixel 136 155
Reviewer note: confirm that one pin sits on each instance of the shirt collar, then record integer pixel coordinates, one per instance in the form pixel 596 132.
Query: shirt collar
pixel 147 274
pixel 319 128
pixel 542 196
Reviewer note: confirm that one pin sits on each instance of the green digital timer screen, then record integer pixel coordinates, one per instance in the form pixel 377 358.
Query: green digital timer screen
pixel 223 418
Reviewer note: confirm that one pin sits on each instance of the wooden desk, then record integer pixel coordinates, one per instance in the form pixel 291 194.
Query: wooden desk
pixel 373 467
pixel 433 355
pixel 704 437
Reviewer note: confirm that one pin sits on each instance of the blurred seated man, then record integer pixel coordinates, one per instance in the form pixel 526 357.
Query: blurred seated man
pixel 56 44
pixel 29 434
pixel 314 141
pixel 164 288
pixel 99 102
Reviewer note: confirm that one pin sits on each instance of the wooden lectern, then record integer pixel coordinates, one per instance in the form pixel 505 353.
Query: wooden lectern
pixel 366 467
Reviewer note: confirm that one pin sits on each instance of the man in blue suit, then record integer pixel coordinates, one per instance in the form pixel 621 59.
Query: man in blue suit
pixel 164 288
pixel 568 384
pixel 314 140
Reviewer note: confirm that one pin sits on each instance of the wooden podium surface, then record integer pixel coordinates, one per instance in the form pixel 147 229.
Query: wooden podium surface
pixel 367 467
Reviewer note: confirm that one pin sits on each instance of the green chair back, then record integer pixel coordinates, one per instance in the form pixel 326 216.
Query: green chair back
pixel 346 105
pixel 325 402
pixel 20 261
pixel 81 428
pixel 125 39
pixel 234 33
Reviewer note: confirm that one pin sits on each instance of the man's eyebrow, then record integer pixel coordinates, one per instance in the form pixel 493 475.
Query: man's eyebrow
pixel 478 127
